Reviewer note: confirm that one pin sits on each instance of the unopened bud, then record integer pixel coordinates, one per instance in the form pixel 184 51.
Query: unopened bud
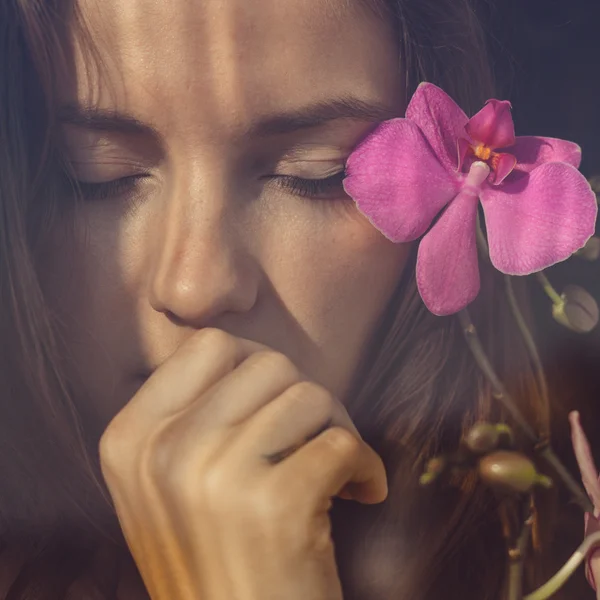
pixel 485 437
pixel 510 472
pixel 591 251
pixel 578 310
pixel 435 467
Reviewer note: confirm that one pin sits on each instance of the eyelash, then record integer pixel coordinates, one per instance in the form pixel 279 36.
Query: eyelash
pixel 305 188
pixel 312 188
pixel 108 189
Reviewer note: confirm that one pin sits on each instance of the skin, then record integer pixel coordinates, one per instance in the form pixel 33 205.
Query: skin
pixel 206 238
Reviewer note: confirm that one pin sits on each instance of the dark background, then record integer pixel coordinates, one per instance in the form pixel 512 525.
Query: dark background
pixel 546 57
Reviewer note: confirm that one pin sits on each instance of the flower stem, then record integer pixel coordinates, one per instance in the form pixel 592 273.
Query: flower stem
pixel 531 348
pixel 550 291
pixel 542 446
pixel 563 574
pixel 522 325
pixel 498 389
pixel 501 394
pixel 579 496
pixel 516 554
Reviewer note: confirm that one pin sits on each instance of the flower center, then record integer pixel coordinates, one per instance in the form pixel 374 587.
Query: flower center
pixel 477 175
pixel 482 152
pixel 501 164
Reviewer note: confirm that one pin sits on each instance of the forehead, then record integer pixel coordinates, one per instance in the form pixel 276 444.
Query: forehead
pixel 233 57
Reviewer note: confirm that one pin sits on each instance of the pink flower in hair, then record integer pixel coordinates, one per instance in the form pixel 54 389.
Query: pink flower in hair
pixel 426 174
pixel 591 483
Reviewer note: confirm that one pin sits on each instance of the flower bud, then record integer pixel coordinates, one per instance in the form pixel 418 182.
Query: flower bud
pixel 510 472
pixel 435 467
pixel 578 311
pixel 591 251
pixel 485 437
pixel 482 438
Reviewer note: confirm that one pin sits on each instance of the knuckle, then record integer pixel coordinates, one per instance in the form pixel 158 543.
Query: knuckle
pixel 183 485
pixel 315 400
pixel 270 506
pixel 158 457
pixel 112 447
pixel 213 338
pixel 317 395
pixel 342 441
pixel 167 470
pixel 271 360
pixel 166 464
pixel 215 491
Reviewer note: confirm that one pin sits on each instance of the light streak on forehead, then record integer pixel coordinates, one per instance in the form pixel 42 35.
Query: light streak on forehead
pixel 235 56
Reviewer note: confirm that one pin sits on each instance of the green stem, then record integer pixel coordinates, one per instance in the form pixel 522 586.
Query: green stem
pixel 502 395
pixel 563 574
pixel 515 569
pixel 529 344
pixel 498 389
pixel 546 452
pixel 543 449
pixel 520 320
pixel 549 289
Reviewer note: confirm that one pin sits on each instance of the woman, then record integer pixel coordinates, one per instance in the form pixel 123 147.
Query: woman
pixel 197 323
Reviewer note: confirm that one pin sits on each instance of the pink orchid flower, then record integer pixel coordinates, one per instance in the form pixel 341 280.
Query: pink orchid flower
pixel 538 208
pixel 591 482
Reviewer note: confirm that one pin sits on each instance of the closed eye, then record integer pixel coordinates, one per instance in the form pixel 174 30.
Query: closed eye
pixel 109 189
pixel 323 188
pixel 319 189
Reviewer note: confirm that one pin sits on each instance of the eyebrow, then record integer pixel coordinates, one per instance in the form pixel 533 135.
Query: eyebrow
pixel 315 115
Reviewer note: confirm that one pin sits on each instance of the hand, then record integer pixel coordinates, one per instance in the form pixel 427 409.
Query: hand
pixel 210 506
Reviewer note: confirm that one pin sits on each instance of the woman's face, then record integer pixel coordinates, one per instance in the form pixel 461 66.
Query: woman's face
pixel 193 144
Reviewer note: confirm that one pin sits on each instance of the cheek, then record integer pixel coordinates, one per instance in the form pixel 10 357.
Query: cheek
pixel 82 286
pixel 340 281
pixel 346 267
pixel 77 271
pixel 356 277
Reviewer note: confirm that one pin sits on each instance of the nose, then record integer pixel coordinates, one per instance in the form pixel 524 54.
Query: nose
pixel 200 268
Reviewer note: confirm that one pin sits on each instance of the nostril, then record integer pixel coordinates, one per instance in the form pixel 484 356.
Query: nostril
pixel 173 318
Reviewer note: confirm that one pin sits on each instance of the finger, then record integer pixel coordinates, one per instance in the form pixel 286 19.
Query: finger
pixel 256 382
pixel 198 364
pixel 335 460
pixel 284 424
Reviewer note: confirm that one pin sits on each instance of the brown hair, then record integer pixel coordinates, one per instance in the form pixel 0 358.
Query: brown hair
pixel 416 391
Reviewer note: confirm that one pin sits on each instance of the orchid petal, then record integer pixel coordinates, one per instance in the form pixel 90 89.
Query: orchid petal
pixel 592 560
pixel 532 151
pixel 585 460
pixel 537 219
pixel 503 166
pixel 592 567
pixel 440 119
pixel 493 125
pixel 447 268
pixel 397 182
